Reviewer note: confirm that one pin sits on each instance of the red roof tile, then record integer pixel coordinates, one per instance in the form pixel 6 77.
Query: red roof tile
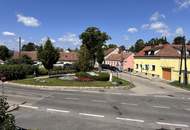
pixel 118 57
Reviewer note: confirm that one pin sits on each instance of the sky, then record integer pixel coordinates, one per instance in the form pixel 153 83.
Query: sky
pixel 64 20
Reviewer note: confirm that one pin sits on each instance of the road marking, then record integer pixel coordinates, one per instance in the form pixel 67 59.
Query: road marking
pixel 189 98
pixel 99 101
pixel 86 91
pixel 71 98
pixel 128 119
pixel 27 106
pixel 116 93
pixel 163 96
pixel 170 124
pixel 130 104
pixel 56 110
pixel 187 109
pixel 92 115
pixel 164 107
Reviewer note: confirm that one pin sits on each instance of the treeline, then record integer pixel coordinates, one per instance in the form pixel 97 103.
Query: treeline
pixel 140 44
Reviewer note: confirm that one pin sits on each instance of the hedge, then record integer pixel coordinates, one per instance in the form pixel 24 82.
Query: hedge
pixel 14 72
pixel 100 77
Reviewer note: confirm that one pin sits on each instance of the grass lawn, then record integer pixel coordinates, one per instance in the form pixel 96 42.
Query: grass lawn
pixel 177 84
pixel 59 82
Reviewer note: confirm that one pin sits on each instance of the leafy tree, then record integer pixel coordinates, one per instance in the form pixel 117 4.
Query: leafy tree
pixel 30 47
pixel 110 46
pixel 132 49
pixel 157 41
pixel 84 58
pixel 4 53
pixel 48 55
pixel 7 121
pixel 122 48
pixel 100 57
pixel 94 39
pixel 178 40
pixel 139 45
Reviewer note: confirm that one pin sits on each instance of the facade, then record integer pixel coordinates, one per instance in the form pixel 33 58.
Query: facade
pixel 161 61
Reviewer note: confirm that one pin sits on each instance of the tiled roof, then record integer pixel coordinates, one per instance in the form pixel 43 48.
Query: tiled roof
pixel 31 54
pixel 165 50
pixel 108 51
pixel 68 56
pixel 64 56
pixel 118 57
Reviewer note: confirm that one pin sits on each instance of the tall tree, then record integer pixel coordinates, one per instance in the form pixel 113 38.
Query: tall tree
pixel 30 47
pixel 178 40
pixel 84 58
pixel 139 45
pixel 94 39
pixel 100 58
pixel 48 55
pixel 132 49
pixel 4 53
pixel 122 48
pixel 7 121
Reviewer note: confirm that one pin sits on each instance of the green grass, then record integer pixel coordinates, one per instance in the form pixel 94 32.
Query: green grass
pixel 59 82
pixel 177 84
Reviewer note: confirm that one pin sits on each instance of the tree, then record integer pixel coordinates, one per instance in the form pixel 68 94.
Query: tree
pixel 48 55
pixel 139 45
pixel 100 57
pixel 30 47
pixel 84 58
pixel 94 39
pixel 178 40
pixel 22 60
pixel 7 121
pixel 132 49
pixel 4 53
pixel 110 46
pixel 122 48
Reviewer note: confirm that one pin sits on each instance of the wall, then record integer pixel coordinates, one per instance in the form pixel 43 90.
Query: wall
pixel 129 62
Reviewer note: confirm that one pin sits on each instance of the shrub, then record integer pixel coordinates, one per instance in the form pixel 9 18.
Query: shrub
pixel 42 71
pixel 83 74
pixel 13 72
pixel 102 77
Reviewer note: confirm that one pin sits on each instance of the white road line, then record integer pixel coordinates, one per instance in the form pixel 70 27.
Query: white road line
pixel 71 98
pixel 27 106
pixel 187 109
pixel 56 110
pixel 128 119
pixel 92 115
pixel 116 93
pixel 189 98
pixel 99 101
pixel 86 91
pixel 164 107
pixel 159 96
pixel 130 104
pixel 170 124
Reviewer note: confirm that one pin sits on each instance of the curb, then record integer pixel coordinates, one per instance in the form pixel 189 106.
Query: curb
pixel 13 107
pixel 60 88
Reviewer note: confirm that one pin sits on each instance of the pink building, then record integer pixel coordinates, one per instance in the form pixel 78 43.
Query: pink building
pixel 123 61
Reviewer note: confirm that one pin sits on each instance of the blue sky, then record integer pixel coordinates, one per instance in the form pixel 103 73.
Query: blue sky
pixel 63 20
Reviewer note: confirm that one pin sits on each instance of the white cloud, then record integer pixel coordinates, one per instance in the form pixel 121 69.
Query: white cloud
pixel 132 30
pixel 8 33
pixel 44 39
pixel 70 38
pixel 179 31
pixel 183 3
pixel 28 21
pixel 145 26
pixel 159 27
pixel 157 16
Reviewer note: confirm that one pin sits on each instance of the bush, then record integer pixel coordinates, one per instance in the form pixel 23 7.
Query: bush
pixel 102 77
pixel 83 74
pixel 13 72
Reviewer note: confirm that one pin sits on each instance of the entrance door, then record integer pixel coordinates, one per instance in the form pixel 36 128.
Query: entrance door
pixel 166 73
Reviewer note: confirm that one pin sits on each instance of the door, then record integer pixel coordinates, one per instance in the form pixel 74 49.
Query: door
pixel 166 73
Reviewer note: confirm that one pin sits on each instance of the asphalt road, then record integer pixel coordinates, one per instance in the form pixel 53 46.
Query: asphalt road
pixel 94 110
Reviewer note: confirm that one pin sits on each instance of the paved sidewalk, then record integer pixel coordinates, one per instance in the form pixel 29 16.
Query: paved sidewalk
pixel 149 87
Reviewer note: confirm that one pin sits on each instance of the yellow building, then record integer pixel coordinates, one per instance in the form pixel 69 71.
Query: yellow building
pixel 161 61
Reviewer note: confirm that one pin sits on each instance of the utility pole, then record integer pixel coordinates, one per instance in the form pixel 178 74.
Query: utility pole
pixel 181 61
pixel 185 63
pixel 20 46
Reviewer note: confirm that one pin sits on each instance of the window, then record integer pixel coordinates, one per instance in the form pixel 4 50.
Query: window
pixel 146 67
pixel 137 66
pixel 153 67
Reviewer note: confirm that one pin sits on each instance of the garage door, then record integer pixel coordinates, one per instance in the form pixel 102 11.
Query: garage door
pixel 166 73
